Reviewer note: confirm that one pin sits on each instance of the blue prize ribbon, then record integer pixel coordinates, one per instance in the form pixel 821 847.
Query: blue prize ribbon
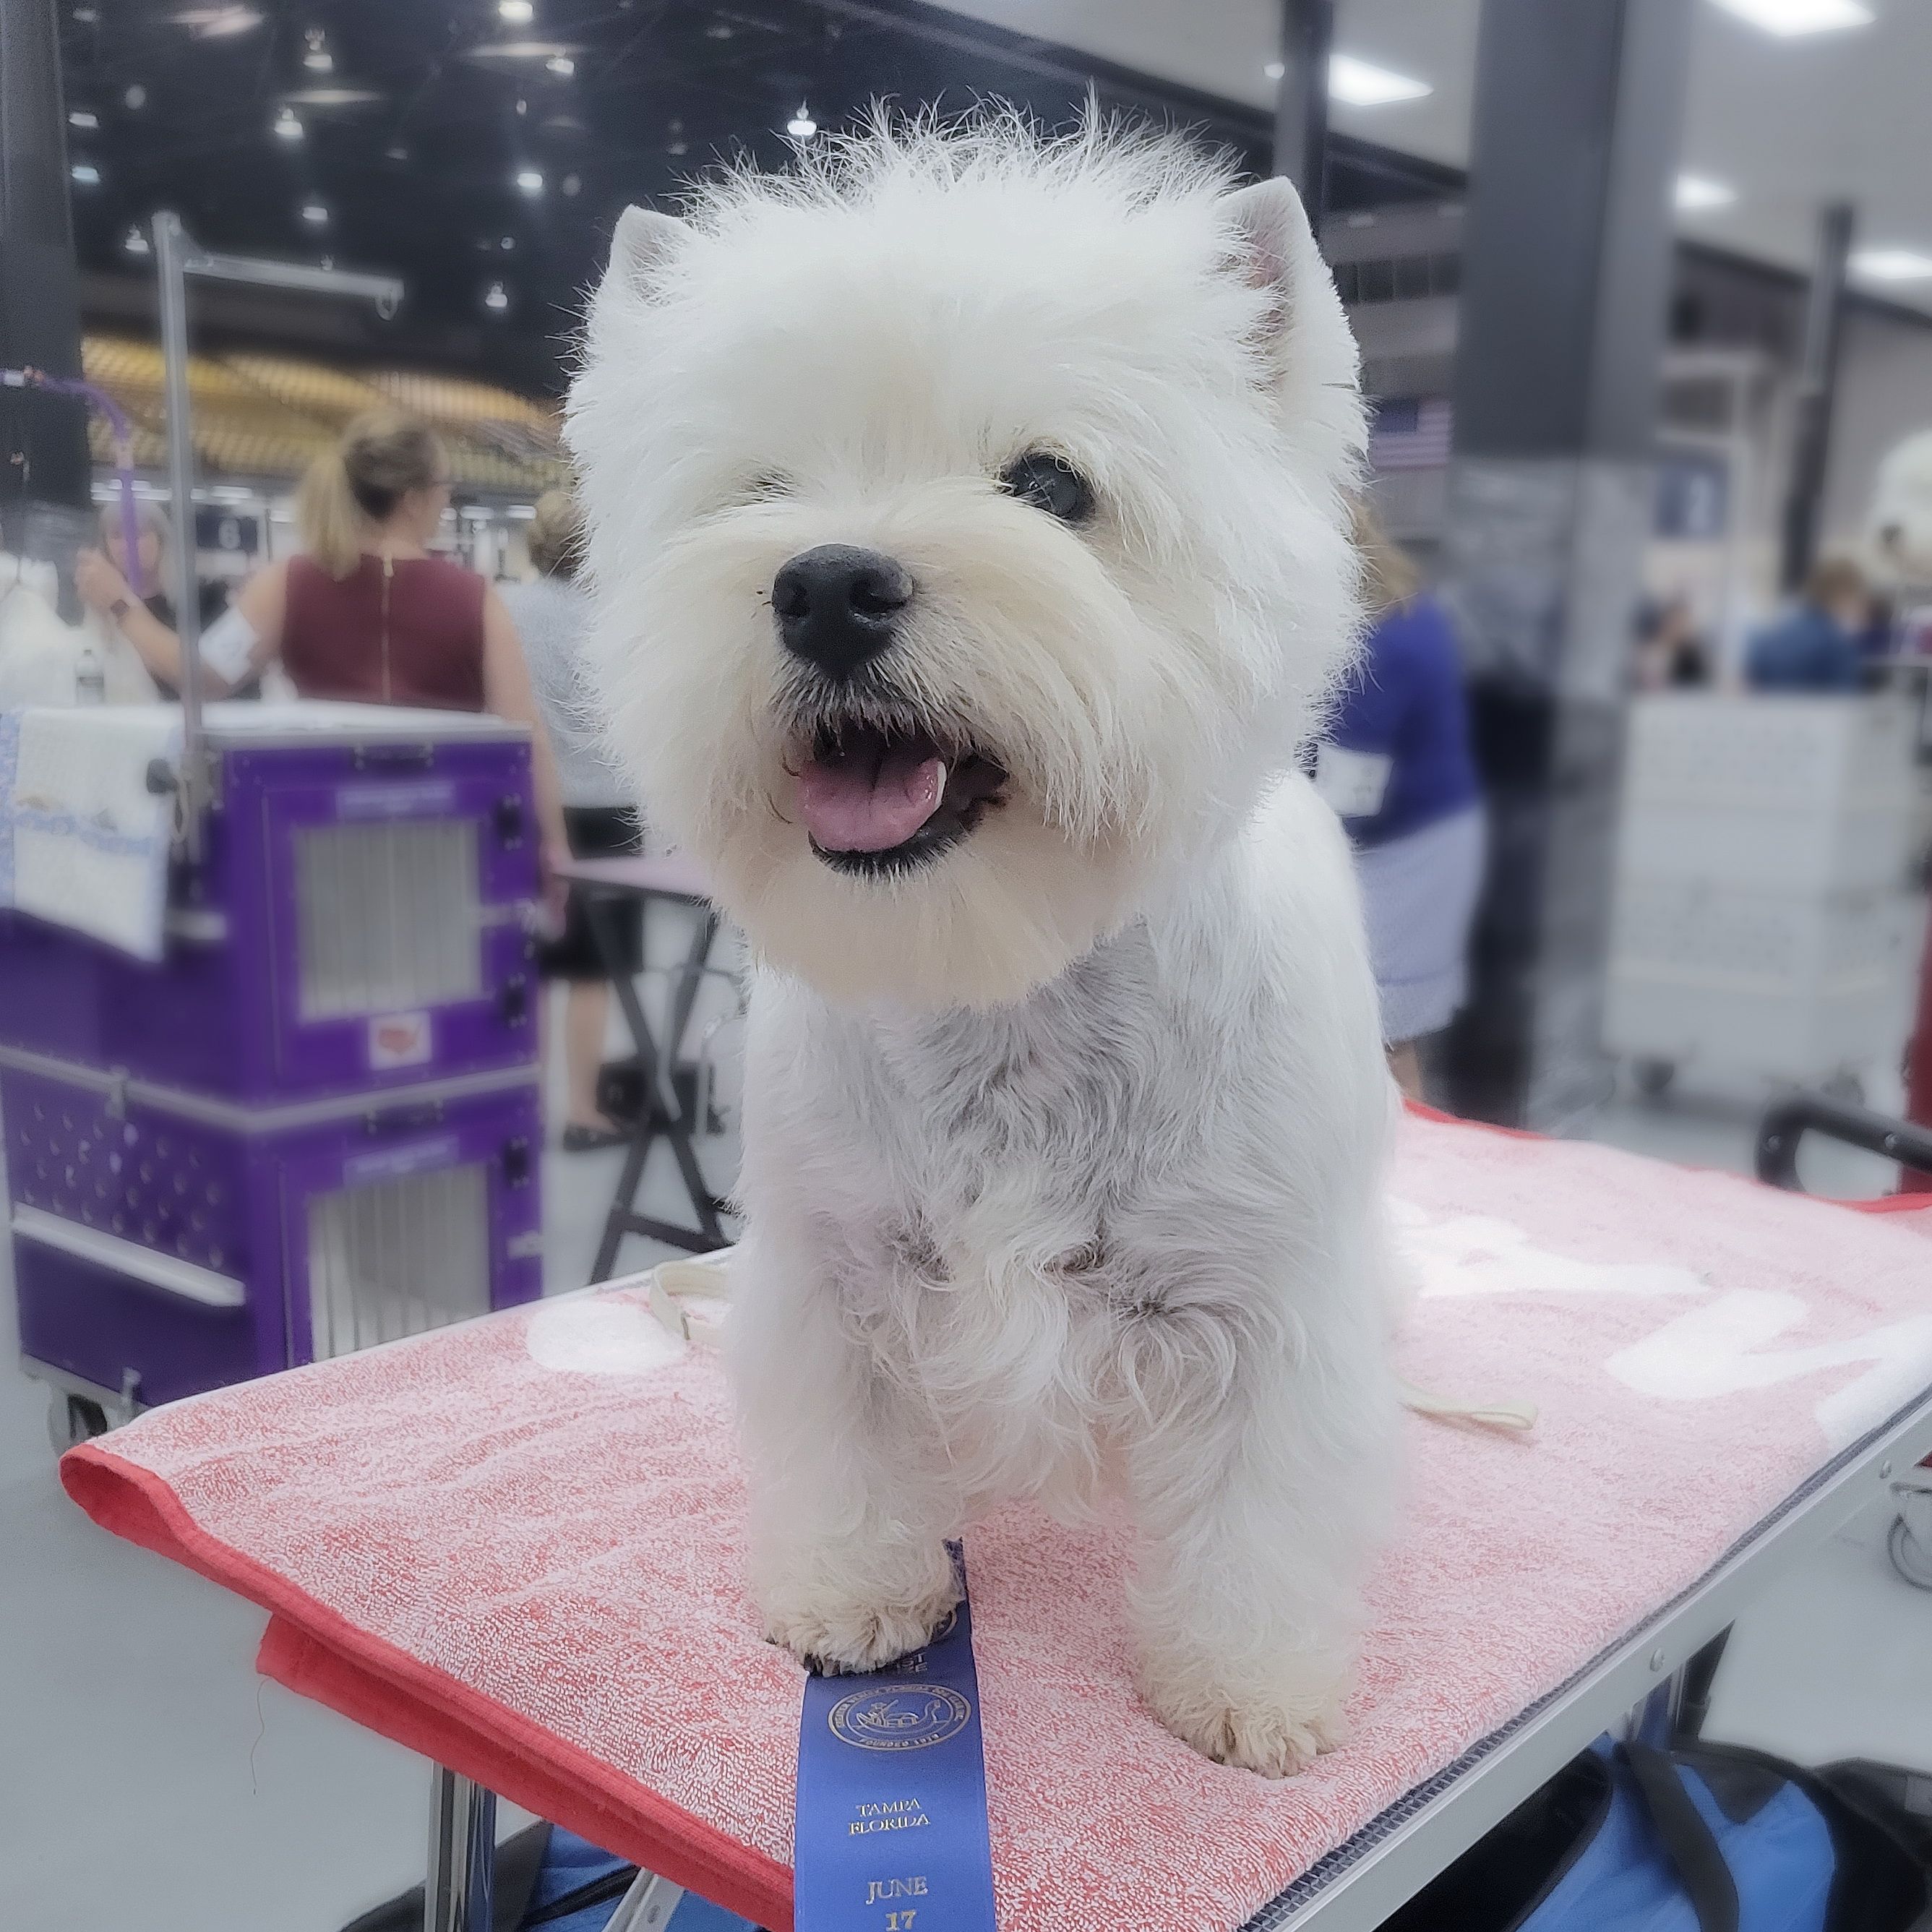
pixel 891 1825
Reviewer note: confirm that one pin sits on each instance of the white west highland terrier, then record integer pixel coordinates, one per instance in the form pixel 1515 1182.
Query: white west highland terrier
pixel 967 525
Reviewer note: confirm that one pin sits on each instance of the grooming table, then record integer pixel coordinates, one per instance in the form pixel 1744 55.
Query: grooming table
pixel 606 885
pixel 515 1546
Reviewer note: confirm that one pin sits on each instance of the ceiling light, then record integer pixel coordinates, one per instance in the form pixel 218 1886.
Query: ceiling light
pixel 85 173
pixel 83 117
pixel 318 59
pixel 334 97
pixel 1274 70
pixel 562 65
pixel 677 148
pixel 315 214
pixel 492 51
pixel 1361 83
pixel 571 183
pixel 396 152
pixel 1892 264
pixel 1693 194
pixel 530 180
pixel 86 17
pixel 1788 18
pixel 517 12
pixel 801 127
pixel 508 243
pixel 719 30
pixel 287 127
pixel 496 298
pixel 217 23
pixel 135 242
pixel 136 97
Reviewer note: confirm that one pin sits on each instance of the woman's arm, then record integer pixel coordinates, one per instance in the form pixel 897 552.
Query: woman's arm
pixel 507 692
pixel 259 607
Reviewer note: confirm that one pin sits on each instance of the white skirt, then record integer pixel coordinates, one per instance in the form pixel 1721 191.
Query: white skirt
pixel 1419 895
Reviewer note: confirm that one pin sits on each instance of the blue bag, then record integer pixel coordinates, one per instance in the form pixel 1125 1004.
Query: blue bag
pixel 1702 1838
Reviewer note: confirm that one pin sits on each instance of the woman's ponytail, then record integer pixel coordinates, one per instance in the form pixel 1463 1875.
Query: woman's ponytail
pixel 332 522
pixel 382 456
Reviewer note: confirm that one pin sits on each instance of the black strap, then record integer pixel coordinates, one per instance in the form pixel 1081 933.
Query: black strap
pixel 610 1885
pixel 1687 1837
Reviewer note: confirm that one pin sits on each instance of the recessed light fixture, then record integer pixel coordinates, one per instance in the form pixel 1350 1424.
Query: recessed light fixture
pixel 562 65
pixel 801 127
pixel 217 23
pixel 85 173
pixel 570 183
pixel 86 17
pixel 1693 194
pixel 334 97
pixel 397 152
pixel 1275 70
pixel 508 243
pixel 287 127
pixel 516 12
pixel 135 242
pixel 84 118
pixel 1361 83
pixel 136 97
pixel 1892 264
pixel 492 52
pixel 318 59
pixel 315 215
pixel 496 298
pixel 1788 18
pixel 530 180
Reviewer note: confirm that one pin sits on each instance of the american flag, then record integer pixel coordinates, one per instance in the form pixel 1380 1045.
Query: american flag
pixel 1409 432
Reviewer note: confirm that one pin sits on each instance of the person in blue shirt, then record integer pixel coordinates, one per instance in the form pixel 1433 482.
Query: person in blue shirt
pixel 1818 646
pixel 1395 764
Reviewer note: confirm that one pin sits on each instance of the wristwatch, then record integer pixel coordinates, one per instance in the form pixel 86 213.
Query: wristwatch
pixel 119 608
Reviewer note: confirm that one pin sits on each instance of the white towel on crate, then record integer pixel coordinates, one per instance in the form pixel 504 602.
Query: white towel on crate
pixel 84 843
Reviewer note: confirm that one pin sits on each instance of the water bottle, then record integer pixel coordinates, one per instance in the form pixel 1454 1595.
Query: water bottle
pixel 90 682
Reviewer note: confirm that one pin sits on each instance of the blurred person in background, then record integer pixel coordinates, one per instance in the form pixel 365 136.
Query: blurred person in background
pixel 102 579
pixel 368 615
pixel 1395 764
pixel 551 614
pixel 1671 655
pixel 1820 644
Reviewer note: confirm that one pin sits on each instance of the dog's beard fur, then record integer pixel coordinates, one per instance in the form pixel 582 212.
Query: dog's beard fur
pixel 1136 678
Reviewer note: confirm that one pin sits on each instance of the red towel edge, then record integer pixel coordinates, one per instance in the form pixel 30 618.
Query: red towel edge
pixel 319 1654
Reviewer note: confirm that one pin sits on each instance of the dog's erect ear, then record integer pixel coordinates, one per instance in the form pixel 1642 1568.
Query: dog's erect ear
pixel 645 241
pixel 1305 333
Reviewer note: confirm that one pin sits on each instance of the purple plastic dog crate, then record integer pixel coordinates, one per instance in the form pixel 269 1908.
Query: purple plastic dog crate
pixel 166 1242
pixel 313 1125
pixel 357 921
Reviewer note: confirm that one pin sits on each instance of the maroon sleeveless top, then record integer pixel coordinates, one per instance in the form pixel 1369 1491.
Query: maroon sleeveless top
pixel 410 634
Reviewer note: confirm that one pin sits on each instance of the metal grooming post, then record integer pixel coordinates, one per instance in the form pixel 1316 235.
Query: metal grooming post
pixel 177 258
pixel 462 1856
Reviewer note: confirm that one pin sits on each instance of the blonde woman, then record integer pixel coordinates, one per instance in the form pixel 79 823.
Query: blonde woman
pixel 368 614
pixel 552 614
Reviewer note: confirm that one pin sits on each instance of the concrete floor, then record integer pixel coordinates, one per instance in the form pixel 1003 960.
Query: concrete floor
pixel 148 1776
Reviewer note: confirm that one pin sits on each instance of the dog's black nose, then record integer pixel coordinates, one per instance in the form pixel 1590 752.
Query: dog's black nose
pixel 837 605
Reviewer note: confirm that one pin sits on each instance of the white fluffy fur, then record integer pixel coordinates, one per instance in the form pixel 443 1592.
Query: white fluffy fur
pixel 1898 529
pixel 1062 1155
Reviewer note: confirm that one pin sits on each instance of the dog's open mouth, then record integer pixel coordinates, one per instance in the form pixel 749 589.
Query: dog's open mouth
pixel 877 800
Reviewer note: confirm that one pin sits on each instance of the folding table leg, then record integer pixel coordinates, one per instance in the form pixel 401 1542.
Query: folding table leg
pixel 462 1855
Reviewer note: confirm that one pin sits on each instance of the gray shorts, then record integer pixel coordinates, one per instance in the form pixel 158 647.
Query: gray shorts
pixel 1419 895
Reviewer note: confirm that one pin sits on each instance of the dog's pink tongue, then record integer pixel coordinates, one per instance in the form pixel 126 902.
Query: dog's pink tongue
pixel 865 804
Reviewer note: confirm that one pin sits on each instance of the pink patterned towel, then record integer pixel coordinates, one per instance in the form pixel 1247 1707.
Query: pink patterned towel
pixel 515 1545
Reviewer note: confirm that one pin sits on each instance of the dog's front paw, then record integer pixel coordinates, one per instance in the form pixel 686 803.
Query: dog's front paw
pixel 833 1632
pixel 1276 1726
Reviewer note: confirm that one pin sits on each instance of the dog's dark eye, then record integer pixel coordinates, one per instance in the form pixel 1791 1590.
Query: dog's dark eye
pixel 1052 484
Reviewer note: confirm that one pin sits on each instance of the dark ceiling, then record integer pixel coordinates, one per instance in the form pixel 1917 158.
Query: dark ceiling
pixel 417 121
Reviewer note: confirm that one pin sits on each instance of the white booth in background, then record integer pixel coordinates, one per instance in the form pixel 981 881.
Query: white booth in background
pixel 1764 924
